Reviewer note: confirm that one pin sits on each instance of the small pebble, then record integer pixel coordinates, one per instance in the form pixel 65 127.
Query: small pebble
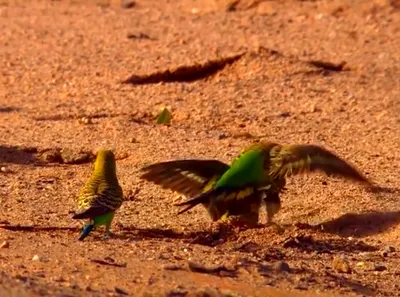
pixel 222 135
pixel 85 121
pixel 133 140
pixel 379 267
pixel 120 291
pixel 282 266
pixel 341 265
pixel 128 4
pixel 301 286
pixel 285 114
pixel 4 169
pixel 36 258
pixel 389 249
pixel 264 269
pixel 88 288
pixel 177 293
pixel 4 245
pixel 360 264
pixel 173 267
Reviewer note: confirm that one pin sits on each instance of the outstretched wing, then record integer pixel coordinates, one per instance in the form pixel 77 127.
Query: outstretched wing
pixel 291 160
pixel 188 177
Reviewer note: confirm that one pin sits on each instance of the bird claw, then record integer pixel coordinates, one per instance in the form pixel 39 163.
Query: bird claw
pixel 278 228
pixel 237 221
pixel 108 235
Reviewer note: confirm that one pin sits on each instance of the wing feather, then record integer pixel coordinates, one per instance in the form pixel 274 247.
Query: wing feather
pixel 187 177
pixel 292 160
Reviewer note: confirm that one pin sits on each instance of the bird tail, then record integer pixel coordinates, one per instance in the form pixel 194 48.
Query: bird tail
pixel 85 232
pixel 200 199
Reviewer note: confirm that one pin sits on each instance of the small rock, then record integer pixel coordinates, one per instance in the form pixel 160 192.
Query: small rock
pixel 282 266
pixel 269 282
pixel 205 292
pixel 36 258
pixel 163 256
pixel 73 286
pixel 69 156
pixel 51 155
pixel 4 169
pixel 389 249
pixel 285 114
pixel 59 279
pixel 127 4
pixel 222 136
pixel 228 293
pixel 264 270
pixel 177 293
pixel 120 291
pixel 379 267
pixel 4 245
pixel 22 278
pixel 301 286
pixel 173 267
pixel 360 264
pixel 341 265
pixel 85 121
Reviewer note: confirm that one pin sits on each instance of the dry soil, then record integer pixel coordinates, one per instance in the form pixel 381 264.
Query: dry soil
pixel 80 75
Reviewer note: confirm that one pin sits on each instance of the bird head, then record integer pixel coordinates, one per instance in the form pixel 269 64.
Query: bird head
pixel 105 161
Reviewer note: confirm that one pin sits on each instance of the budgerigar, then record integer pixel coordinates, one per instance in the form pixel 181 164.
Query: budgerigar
pixel 101 196
pixel 257 174
pixel 192 177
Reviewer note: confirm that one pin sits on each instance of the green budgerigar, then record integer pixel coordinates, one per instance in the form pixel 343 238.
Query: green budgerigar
pixel 101 196
pixel 257 175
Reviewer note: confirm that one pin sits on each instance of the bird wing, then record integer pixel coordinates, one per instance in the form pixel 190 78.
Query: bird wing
pixel 98 198
pixel 228 195
pixel 291 160
pixel 91 212
pixel 187 177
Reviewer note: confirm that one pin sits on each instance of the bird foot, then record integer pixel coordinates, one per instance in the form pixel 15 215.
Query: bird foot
pixel 238 222
pixel 108 235
pixel 278 228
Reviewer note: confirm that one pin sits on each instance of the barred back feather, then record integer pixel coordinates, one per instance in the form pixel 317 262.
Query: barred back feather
pixel 101 193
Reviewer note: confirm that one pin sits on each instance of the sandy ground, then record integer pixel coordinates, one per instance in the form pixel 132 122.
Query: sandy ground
pixel 63 64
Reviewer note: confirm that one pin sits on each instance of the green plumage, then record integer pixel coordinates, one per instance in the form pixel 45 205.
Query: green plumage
pixel 257 175
pixel 101 196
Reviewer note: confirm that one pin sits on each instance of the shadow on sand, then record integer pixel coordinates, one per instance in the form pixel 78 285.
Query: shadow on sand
pixel 361 225
pixel 208 238
pixel 17 155
pixel 355 225
pixel 8 109
pixel 33 228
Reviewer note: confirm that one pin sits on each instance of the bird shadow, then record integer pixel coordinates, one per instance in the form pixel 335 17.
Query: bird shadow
pixel 35 228
pixel 8 109
pixel 353 285
pixel 17 155
pixel 361 224
pixel 326 246
pixel 207 238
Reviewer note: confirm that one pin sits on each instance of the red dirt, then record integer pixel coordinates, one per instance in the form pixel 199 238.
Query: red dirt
pixel 62 61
